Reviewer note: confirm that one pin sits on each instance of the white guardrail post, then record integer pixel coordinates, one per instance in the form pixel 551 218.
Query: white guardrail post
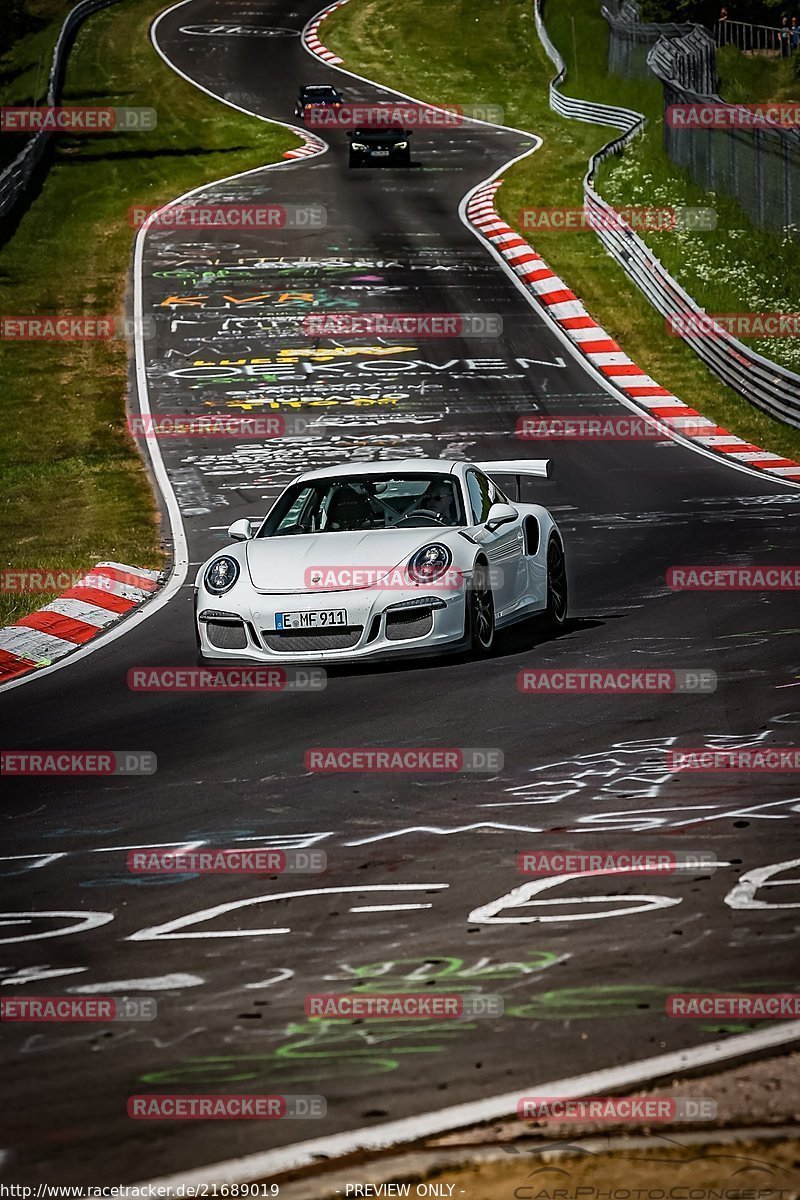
pixel 766 384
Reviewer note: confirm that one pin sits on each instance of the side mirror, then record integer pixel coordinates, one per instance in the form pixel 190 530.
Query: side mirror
pixel 500 514
pixel 408 132
pixel 241 530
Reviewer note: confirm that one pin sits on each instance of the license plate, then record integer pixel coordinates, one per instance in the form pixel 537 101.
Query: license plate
pixel 380 153
pixel 326 618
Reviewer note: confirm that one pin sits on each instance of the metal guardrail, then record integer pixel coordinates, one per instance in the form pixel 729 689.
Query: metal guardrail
pixel 752 38
pixel 630 38
pixel 16 176
pixel 765 384
pixel 688 61
pixel 580 110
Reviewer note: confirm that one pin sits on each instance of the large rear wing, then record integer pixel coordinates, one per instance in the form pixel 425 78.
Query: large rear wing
pixel 539 467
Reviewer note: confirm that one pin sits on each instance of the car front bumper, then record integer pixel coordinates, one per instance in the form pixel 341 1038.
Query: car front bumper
pixel 380 624
pixel 376 159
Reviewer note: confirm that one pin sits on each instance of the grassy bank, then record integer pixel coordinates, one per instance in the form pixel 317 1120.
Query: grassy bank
pixel 735 267
pixel 463 55
pixel 75 488
pixel 28 34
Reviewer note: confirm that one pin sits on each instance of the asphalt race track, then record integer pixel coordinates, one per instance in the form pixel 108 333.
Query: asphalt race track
pixel 583 983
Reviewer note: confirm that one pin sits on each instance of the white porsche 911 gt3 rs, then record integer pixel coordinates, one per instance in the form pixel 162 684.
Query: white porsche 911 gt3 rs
pixel 379 559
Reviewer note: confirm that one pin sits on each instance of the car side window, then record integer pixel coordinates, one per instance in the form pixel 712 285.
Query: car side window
pixel 301 517
pixel 480 491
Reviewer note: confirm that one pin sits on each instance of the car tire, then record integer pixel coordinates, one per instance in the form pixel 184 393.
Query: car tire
pixel 480 612
pixel 557 588
pixel 355 160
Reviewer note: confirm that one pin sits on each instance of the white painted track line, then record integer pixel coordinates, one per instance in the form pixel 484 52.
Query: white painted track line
pixel 412 1129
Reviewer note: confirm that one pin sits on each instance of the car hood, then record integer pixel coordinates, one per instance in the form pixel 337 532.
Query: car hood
pixel 343 561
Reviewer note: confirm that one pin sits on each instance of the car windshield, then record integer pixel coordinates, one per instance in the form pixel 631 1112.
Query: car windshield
pixel 363 502
pixel 320 93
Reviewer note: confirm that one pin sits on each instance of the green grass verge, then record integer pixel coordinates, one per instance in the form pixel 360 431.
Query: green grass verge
pixel 76 490
pixel 487 51
pixel 756 78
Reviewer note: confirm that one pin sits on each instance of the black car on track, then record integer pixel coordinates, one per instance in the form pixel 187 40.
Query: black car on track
pixel 317 95
pixel 380 147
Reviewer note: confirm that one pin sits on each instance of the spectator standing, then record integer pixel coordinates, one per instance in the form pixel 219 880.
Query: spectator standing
pixel 785 36
pixel 795 34
pixel 722 30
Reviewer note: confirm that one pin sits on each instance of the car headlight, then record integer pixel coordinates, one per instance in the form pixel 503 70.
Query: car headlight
pixel 401 146
pixel 429 563
pixel 221 574
pixel 357 146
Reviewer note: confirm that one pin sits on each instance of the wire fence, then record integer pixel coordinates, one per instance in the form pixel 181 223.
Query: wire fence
pixel 721 145
pixel 727 148
pixel 767 385
pixel 17 175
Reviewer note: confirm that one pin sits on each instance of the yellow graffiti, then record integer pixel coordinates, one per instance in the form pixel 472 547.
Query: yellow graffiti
pixel 318 355
pixel 279 298
pixel 326 402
